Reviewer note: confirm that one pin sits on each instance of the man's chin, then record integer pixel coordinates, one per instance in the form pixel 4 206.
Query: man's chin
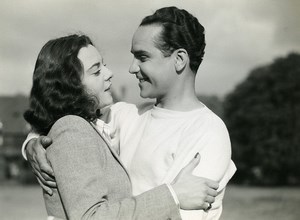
pixel 146 95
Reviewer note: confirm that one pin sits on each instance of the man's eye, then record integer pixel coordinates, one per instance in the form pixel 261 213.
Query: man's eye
pixel 143 58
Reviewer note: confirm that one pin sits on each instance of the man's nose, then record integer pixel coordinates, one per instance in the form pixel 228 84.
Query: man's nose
pixel 134 67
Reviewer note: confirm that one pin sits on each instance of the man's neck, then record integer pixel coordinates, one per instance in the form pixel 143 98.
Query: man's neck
pixel 181 98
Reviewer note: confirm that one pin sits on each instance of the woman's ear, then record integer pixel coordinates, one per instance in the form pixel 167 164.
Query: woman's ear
pixel 181 59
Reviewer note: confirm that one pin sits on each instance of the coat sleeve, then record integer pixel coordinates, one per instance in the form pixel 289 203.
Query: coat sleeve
pixel 80 168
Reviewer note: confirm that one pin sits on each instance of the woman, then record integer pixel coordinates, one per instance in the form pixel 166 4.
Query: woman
pixel 70 84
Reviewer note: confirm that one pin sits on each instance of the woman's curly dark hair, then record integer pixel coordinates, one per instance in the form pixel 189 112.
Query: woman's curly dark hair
pixel 57 88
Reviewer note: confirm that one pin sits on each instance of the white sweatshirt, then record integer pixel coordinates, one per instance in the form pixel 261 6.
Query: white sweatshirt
pixel 156 143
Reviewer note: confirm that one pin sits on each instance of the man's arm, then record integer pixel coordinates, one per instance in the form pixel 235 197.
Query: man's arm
pixel 215 148
pixel 213 143
pixel 33 150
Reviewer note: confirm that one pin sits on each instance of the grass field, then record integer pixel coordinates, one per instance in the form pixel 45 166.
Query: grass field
pixel 241 203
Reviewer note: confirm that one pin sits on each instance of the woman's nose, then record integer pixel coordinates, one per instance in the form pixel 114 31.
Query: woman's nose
pixel 108 74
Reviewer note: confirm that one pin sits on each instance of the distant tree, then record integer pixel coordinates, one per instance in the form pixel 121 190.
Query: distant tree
pixel 214 103
pixel 263 117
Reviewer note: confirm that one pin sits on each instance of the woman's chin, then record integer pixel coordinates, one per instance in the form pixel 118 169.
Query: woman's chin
pixel 106 102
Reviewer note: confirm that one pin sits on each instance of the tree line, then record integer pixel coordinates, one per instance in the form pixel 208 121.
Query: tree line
pixel 262 116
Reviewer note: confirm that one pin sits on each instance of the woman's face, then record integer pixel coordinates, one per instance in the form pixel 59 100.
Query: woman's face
pixel 96 76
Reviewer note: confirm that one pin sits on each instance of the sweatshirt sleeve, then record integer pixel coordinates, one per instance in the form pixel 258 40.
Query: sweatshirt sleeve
pixel 211 139
pixel 30 136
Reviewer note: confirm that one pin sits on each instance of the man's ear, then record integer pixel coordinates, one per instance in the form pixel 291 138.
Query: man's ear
pixel 181 59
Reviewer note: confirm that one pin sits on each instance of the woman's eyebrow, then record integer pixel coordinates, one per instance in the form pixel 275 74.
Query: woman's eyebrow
pixel 95 65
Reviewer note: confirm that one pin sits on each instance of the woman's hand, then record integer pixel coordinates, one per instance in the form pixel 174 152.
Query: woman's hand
pixel 194 192
pixel 36 156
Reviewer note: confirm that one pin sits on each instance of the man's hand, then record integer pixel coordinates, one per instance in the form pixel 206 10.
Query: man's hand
pixel 36 155
pixel 194 192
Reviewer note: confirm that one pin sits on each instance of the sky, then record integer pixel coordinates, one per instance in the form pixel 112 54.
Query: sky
pixel 240 36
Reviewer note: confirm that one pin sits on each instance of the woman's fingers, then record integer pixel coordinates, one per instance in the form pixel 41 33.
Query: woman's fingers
pixel 192 164
pixel 207 206
pixel 212 192
pixel 210 199
pixel 213 184
pixel 188 169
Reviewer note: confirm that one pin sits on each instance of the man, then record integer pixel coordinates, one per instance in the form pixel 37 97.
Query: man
pixel 156 142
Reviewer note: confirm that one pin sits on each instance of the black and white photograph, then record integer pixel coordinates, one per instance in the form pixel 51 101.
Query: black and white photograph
pixel 149 110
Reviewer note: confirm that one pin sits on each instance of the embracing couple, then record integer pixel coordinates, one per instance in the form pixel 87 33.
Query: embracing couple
pixel 99 160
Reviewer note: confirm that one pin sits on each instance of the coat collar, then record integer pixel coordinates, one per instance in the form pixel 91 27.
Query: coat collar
pixel 114 153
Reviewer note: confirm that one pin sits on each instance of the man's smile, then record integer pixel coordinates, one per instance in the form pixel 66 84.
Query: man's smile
pixel 142 79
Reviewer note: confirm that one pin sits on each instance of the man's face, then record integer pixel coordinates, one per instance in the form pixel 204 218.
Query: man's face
pixel 155 72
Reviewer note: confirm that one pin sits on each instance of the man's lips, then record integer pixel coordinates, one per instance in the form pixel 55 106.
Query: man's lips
pixel 142 79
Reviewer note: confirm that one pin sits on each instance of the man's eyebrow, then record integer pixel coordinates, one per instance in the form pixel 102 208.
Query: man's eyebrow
pixel 94 65
pixel 139 52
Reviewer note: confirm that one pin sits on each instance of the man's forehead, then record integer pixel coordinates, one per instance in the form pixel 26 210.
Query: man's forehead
pixel 144 37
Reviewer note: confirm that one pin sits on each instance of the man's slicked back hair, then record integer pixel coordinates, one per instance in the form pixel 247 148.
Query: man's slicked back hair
pixel 180 29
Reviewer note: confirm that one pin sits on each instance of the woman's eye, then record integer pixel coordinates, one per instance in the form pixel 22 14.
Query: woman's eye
pixel 97 73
